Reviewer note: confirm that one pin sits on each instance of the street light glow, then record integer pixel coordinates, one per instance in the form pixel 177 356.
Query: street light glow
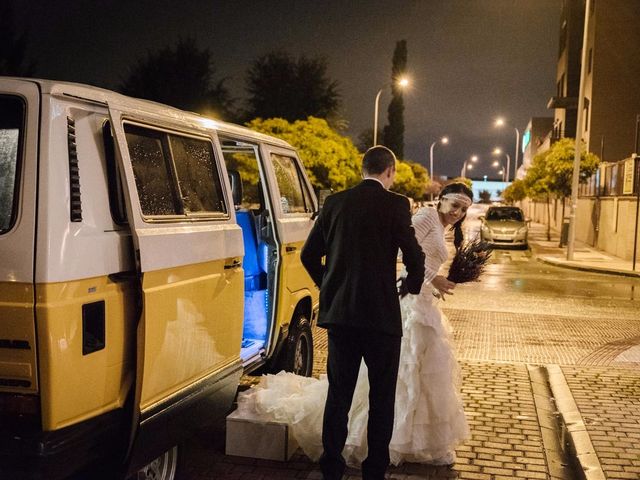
pixel 474 158
pixel 403 82
pixel 444 140
pixel 499 122
pixel 497 151
pixel 496 163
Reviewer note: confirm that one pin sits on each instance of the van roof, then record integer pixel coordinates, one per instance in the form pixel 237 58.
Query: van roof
pixel 101 95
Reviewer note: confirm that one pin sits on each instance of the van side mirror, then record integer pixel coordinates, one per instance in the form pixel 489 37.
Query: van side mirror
pixel 236 186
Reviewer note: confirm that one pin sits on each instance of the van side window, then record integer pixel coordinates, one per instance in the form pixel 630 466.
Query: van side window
pixel 291 185
pixel 152 171
pixel 12 113
pixel 198 177
pixel 243 158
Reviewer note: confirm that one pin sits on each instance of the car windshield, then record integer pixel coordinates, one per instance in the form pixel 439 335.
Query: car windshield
pixel 514 214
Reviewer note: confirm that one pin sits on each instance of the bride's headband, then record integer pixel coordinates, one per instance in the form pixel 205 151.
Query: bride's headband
pixel 458 197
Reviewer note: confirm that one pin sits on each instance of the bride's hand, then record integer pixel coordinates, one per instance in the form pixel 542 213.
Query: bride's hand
pixel 443 285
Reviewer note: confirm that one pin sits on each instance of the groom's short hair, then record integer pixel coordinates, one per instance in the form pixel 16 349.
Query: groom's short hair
pixel 377 159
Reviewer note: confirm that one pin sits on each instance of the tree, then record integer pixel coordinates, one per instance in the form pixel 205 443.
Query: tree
pixel 13 46
pixel 281 87
pixel 411 179
pixel 394 132
pixel 515 192
pixel 331 159
pixel 183 76
pixel 551 172
pixel 485 196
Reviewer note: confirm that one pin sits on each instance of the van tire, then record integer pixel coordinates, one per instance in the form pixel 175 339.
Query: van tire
pixel 164 467
pixel 298 356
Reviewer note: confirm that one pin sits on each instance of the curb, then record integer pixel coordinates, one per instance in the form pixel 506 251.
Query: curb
pixel 574 431
pixel 578 266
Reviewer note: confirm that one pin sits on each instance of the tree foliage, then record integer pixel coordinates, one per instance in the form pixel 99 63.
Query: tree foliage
pixel 331 159
pixel 13 46
pixel 515 192
pixel 411 179
pixel 182 75
pixel 551 171
pixel 280 86
pixel 485 196
pixel 394 131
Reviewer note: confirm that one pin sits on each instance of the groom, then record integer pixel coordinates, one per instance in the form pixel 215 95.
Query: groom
pixel 359 232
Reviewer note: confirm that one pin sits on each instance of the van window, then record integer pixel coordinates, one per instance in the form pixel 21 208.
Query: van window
pixel 174 174
pixel 243 158
pixel 152 171
pixel 12 112
pixel 290 183
pixel 198 177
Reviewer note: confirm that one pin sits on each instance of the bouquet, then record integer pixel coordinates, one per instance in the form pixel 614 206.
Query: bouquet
pixel 469 261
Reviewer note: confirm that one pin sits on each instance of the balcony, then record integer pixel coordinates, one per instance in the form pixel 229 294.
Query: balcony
pixel 567 103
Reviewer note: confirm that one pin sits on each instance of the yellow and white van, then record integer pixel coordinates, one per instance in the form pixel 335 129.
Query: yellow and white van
pixel 148 257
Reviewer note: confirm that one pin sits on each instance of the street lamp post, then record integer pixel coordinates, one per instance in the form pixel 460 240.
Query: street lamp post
pixel 499 123
pixel 402 82
pixel 444 141
pixel 498 151
pixel 465 166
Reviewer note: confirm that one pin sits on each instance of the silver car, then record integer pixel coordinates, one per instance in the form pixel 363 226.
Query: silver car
pixel 502 225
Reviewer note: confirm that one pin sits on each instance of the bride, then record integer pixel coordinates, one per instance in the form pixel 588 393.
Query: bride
pixel 429 417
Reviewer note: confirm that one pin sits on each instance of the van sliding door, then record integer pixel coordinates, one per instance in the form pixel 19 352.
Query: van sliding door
pixel 189 251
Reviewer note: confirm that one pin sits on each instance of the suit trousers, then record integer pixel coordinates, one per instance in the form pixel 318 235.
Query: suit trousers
pixel 381 354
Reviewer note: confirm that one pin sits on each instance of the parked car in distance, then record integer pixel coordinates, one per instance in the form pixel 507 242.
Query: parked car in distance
pixel 504 225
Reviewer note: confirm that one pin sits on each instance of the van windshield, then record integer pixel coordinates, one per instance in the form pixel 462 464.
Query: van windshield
pixel 11 126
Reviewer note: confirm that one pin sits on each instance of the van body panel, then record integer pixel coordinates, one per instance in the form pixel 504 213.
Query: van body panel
pixel 191 327
pixel 71 389
pixel 95 246
pixel 18 360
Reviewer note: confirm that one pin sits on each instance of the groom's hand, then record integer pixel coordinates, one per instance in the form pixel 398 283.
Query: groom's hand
pixel 403 287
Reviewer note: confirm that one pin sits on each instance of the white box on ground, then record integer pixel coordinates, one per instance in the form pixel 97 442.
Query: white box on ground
pixel 254 438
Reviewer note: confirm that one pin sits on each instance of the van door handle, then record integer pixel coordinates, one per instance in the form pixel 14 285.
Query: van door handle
pixel 234 264
pixel 290 249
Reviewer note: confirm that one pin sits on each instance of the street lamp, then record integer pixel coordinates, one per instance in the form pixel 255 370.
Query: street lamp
pixel 499 123
pixel 500 165
pixel 466 166
pixel 498 151
pixel 402 83
pixel 444 141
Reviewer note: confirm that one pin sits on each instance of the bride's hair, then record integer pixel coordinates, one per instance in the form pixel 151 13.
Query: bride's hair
pixel 457 187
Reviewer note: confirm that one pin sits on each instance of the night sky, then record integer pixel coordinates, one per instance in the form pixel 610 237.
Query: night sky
pixel 469 60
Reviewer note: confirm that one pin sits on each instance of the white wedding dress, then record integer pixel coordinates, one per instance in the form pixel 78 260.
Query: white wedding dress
pixel 429 417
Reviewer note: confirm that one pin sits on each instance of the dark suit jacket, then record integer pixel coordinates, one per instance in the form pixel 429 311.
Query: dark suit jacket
pixel 360 231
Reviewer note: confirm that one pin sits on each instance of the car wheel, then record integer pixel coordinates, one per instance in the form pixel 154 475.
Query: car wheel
pixel 165 467
pixel 298 356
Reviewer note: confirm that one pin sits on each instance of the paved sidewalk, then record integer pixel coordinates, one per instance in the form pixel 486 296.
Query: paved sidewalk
pixel 584 257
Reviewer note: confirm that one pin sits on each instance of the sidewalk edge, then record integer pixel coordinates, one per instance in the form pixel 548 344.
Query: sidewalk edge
pixel 587 268
pixel 576 436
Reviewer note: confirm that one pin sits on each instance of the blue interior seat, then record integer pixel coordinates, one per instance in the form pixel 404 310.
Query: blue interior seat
pixel 252 270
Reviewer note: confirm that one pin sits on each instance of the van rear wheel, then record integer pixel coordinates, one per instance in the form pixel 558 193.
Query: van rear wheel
pixel 165 467
pixel 299 349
